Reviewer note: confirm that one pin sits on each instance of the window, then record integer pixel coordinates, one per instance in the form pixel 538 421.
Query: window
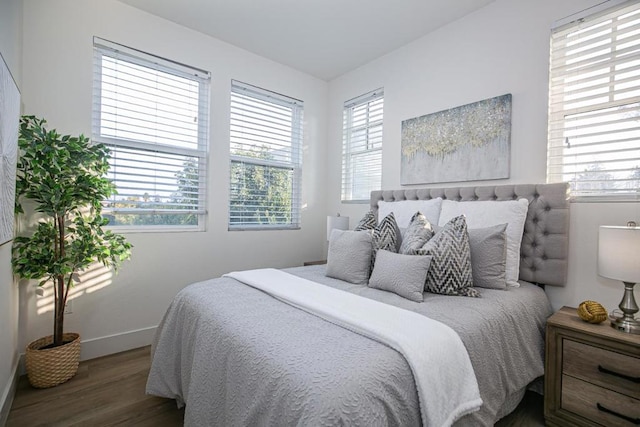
pixel 362 146
pixel 594 105
pixel 266 158
pixel 153 115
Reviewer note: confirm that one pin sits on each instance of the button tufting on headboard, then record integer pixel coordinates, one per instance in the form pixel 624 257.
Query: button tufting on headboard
pixel 545 243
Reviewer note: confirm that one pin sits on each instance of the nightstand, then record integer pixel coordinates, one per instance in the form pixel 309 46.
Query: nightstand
pixel 592 373
pixel 306 263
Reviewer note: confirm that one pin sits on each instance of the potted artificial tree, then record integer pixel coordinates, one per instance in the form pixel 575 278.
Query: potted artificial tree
pixel 64 179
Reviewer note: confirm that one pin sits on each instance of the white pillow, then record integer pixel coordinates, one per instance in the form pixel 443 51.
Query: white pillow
pixel 489 213
pixel 404 210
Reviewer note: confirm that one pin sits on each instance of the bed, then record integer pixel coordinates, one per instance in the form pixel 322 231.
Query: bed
pixel 237 354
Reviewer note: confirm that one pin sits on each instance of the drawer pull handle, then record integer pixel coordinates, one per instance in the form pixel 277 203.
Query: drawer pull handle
pixel 618 374
pixel 635 421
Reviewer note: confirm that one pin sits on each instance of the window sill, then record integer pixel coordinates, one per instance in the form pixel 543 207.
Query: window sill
pixel 154 229
pixel 605 199
pixel 259 228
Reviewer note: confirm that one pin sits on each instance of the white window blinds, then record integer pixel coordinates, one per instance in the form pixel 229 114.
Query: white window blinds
pixel 594 105
pixel 266 159
pixel 362 146
pixel 153 114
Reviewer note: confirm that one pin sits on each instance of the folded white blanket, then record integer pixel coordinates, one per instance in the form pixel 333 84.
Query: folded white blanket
pixel 445 380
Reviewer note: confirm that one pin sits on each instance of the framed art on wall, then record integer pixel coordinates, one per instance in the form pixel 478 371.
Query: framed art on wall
pixel 9 122
pixel 467 143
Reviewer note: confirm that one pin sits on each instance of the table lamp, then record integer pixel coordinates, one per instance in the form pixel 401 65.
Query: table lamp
pixel 619 258
pixel 338 222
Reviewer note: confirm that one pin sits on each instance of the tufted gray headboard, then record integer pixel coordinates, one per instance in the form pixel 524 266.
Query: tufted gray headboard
pixel 545 243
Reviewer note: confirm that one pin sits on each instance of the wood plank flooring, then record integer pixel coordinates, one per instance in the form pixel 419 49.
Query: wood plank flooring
pixel 109 391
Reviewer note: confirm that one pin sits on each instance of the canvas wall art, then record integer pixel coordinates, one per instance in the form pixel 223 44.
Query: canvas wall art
pixel 9 122
pixel 467 143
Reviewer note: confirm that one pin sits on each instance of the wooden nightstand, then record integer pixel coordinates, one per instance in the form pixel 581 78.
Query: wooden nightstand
pixel 592 373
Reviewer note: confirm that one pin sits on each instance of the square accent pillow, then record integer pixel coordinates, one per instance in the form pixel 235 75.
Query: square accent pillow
pixel 416 235
pixel 487 213
pixel 349 256
pixel 368 222
pixel 386 235
pixel 403 275
pixel 450 271
pixel 489 256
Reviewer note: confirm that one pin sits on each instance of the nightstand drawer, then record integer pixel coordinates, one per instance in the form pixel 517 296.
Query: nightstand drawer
pixel 599 404
pixel 605 368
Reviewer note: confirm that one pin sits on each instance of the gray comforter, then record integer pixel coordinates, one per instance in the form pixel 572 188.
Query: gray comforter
pixel 237 357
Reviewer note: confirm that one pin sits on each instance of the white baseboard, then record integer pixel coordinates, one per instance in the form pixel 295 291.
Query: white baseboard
pixel 110 344
pixel 6 399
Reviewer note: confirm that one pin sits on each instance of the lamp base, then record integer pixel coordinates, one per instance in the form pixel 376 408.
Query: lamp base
pixel 627 322
pixel 625 325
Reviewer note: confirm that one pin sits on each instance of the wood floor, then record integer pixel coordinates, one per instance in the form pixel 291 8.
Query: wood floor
pixel 109 391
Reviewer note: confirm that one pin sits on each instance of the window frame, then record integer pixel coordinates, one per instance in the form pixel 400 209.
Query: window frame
pixel 568 120
pixel 102 48
pixel 349 173
pixel 295 165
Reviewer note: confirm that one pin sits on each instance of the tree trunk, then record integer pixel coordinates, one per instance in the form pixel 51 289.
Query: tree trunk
pixel 61 295
pixel 58 319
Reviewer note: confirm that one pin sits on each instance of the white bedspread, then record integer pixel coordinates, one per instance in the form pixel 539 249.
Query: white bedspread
pixel 445 380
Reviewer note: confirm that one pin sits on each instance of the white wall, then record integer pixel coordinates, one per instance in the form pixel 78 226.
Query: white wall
pixel 57 81
pixel 502 48
pixel 10 47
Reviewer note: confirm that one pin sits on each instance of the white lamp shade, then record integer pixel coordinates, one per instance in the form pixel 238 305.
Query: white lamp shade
pixel 337 222
pixel 619 253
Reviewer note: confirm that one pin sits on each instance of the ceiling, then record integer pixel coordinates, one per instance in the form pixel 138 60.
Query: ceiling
pixel 323 38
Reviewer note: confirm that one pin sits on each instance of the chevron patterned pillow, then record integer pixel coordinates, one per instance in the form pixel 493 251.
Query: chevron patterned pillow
pixel 416 235
pixel 386 235
pixel 450 270
pixel 368 222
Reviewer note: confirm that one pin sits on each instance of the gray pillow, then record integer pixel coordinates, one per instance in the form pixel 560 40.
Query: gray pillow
pixel 450 270
pixel 403 275
pixel 349 256
pixel 489 256
pixel 488 248
pixel 416 235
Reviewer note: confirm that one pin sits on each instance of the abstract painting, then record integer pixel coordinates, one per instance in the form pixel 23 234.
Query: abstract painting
pixel 9 121
pixel 467 143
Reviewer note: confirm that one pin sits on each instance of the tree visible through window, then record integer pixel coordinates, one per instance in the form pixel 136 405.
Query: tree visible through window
pixel 265 147
pixel 153 115
pixel 594 104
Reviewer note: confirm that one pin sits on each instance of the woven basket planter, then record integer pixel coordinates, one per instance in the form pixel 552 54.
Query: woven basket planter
pixel 52 366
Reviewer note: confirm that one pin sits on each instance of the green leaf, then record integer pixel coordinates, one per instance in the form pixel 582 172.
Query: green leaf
pixel 64 177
